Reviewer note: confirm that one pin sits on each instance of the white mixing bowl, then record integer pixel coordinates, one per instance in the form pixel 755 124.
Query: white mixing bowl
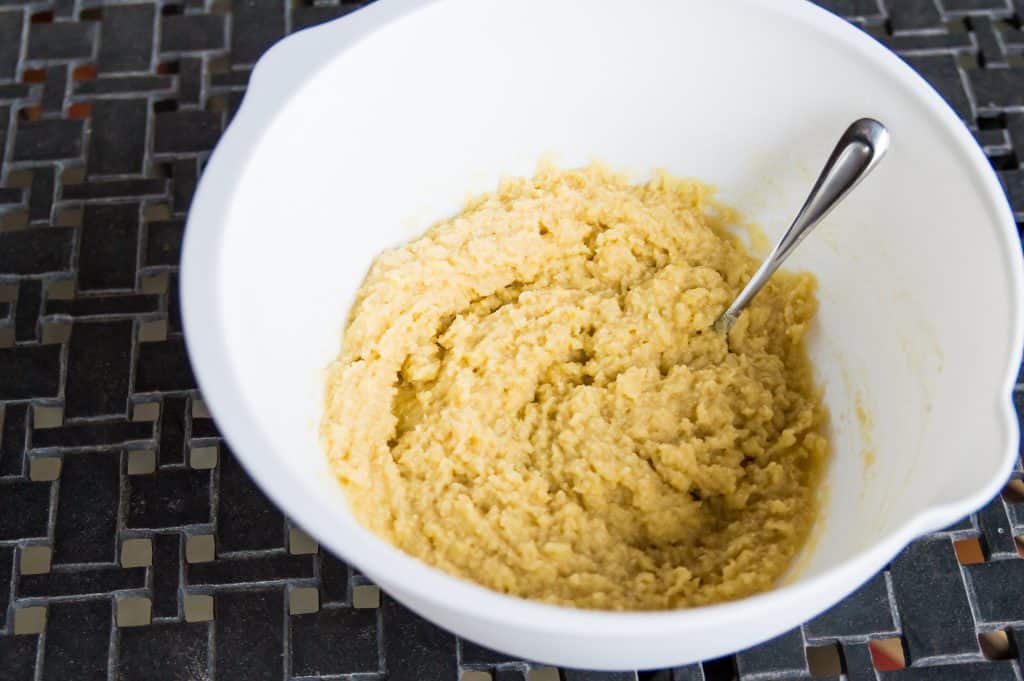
pixel 356 135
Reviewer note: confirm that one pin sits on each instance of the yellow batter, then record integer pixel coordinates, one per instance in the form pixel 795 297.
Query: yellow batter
pixel 530 396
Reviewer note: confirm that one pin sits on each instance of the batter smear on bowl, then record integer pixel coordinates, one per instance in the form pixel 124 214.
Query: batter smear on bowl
pixel 530 396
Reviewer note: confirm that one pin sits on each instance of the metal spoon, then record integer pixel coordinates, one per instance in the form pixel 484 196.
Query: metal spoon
pixel 858 151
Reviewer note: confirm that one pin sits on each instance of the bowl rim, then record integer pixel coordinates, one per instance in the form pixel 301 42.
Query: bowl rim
pixel 271 85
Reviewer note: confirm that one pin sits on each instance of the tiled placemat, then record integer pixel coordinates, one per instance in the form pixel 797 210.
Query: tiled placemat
pixel 134 547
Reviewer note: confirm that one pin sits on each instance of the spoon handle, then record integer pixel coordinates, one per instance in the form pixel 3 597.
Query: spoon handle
pixel 858 151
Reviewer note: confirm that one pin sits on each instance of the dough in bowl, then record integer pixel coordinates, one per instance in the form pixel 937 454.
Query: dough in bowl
pixel 530 396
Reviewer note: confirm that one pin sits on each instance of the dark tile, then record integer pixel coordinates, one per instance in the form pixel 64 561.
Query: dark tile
pixel 9 195
pixel 12 439
pixel 857 662
pixel 972 5
pixel 19 657
pixel 191 33
pixel 169 498
pixel 10 91
pixel 164 652
pixel 850 8
pixel 783 655
pixel 866 611
pixel 92 434
pixel 26 312
pixel 29 371
pixel 984 33
pixel 333 578
pixel 163 366
pixel 124 84
pixel 941 71
pixel 163 242
pixel 61 40
pixel 99 365
pixel 115 189
pixel 77 640
pixel 186 176
pixel 249 569
pixel 7 558
pixel 914 14
pixel 41 195
pixel 167 558
pixel 306 17
pixel 932 601
pixel 86 524
pixel 106 257
pixel 245 517
pixel 204 428
pixel 583 675
pixel 190 80
pixel 693 672
pixel 126 38
pixel 248 635
pixel 32 499
pixel 105 305
pixel 119 131
pixel 75 581
pixel 54 88
pixel 997 88
pixel 35 251
pixel 972 671
pixel 1013 183
pixel 174 304
pixel 997 535
pixel 335 641
pixel 173 417
pixel 998 587
pixel 48 140
pixel 255 26
pixel 186 131
pixel 414 648
pixel 232 79
pixel 10 44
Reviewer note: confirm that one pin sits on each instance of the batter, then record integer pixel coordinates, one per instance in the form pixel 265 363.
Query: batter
pixel 530 396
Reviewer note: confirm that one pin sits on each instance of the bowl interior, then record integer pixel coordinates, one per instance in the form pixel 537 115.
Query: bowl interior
pixel 917 294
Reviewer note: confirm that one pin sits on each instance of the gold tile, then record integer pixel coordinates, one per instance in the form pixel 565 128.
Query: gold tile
pixel 134 611
pixel 200 548
pixel 73 176
pixel 47 417
pixel 141 462
pixel 20 178
pixel 11 220
pixel 69 217
pixel 156 211
pixel 365 596
pixel 35 560
pixel 56 333
pixel 542 674
pixel 60 289
pixel 203 458
pixel 303 601
pixel 199 410
pixel 152 332
pixel 44 468
pixel 198 608
pixel 300 543
pixel 475 676
pixel 8 292
pixel 155 284
pixel 6 336
pixel 146 411
pixel 136 553
pixel 30 620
